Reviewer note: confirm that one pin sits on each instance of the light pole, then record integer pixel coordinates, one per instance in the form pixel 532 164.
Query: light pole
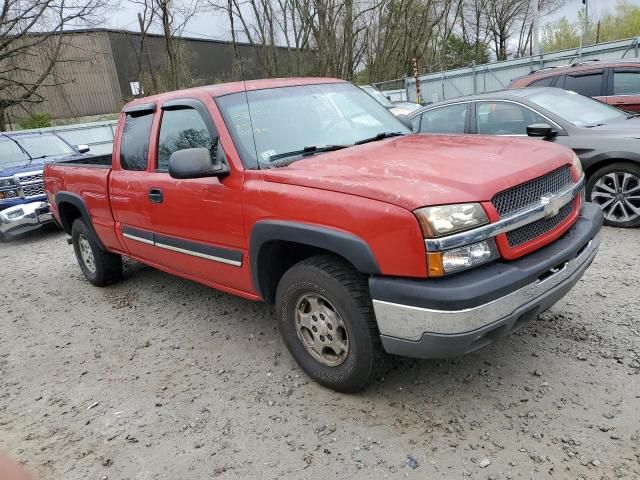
pixel 535 28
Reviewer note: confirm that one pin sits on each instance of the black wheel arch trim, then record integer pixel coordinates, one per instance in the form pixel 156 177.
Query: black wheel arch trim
pixel 602 160
pixel 76 201
pixel 351 247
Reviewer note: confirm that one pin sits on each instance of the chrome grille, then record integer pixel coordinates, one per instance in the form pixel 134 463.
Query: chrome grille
pixel 36 177
pixel 33 190
pixel 528 193
pixel 533 230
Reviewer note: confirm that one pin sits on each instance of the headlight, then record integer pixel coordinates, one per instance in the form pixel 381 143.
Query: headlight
pixel 6 182
pixel 577 164
pixel 450 261
pixel 448 219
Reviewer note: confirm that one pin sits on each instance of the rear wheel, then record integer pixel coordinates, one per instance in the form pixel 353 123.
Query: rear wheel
pixel 326 319
pixel 616 189
pixel 99 267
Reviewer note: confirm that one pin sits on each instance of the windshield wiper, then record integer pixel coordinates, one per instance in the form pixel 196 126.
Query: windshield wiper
pixel 309 150
pixel 633 115
pixel 379 136
pixel 595 125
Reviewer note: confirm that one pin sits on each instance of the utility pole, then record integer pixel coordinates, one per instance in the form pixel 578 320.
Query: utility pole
pixel 414 62
pixel 535 28
pixel 586 17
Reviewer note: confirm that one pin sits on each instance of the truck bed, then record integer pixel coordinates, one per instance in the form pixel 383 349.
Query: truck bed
pixel 85 179
pixel 100 161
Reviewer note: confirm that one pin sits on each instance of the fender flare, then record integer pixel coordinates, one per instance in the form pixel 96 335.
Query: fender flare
pixel 601 160
pixel 76 201
pixel 351 247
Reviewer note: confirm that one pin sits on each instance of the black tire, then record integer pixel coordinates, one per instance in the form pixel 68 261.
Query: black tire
pixel 106 268
pixel 3 239
pixel 347 290
pixel 593 195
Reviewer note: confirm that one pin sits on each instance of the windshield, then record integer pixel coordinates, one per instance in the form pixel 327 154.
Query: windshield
pixel 39 146
pixel 575 108
pixel 292 119
pixel 10 154
pixel 380 98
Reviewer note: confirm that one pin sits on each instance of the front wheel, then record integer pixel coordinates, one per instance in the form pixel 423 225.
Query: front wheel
pixel 616 189
pixel 99 267
pixel 326 318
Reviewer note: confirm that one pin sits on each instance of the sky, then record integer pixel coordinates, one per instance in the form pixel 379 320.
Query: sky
pixel 571 9
pixel 208 25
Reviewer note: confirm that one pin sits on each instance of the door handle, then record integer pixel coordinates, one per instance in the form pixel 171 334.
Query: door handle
pixel 155 195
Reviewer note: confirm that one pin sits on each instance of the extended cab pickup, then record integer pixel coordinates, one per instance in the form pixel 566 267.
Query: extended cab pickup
pixel 308 194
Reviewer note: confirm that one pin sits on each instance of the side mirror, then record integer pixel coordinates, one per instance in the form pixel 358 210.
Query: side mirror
pixel 404 118
pixel 195 163
pixel 83 148
pixel 541 130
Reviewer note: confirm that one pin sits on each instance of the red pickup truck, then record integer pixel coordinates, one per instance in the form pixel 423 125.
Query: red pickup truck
pixel 308 194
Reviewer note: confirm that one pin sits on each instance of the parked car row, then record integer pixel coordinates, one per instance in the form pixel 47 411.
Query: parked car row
pixel 615 82
pixel 605 138
pixel 308 194
pixel 23 203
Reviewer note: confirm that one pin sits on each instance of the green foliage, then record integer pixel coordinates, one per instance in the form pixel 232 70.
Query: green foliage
pixel 622 22
pixel 36 120
pixel 560 35
pixel 460 53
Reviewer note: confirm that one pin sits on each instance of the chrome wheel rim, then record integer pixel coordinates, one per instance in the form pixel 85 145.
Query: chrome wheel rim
pixel 86 254
pixel 618 194
pixel 321 330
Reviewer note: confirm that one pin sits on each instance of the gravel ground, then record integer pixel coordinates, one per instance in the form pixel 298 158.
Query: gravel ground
pixel 159 377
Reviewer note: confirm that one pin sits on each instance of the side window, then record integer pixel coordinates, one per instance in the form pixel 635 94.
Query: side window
pixel 505 118
pixel 134 146
pixel 180 129
pixel 451 119
pixel 589 85
pixel 543 82
pixel 626 82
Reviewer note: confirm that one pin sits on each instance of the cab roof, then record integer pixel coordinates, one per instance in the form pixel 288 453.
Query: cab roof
pixel 232 87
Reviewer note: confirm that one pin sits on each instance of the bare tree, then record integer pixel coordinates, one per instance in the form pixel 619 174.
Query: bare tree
pixel 32 40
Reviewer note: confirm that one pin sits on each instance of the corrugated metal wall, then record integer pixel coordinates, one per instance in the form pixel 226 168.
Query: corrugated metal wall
pixel 98 135
pixel 496 76
pixel 83 83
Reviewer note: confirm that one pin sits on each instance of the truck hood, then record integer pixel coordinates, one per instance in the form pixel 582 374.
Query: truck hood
pixel 419 170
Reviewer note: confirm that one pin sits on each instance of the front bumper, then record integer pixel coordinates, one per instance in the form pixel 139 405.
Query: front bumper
pixel 22 218
pixel 438 318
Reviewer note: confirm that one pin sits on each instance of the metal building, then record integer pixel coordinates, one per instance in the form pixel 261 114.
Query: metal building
pixel 98 69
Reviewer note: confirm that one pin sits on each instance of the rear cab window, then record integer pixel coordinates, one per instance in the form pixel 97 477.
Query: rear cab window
pixel 134 145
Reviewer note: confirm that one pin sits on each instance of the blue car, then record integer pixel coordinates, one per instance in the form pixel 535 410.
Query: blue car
pixel 23 203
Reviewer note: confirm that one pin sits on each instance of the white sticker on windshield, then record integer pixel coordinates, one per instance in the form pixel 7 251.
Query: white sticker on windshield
pixel 267 154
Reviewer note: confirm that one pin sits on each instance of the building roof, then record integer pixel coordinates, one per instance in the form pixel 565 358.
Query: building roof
pixel 150 34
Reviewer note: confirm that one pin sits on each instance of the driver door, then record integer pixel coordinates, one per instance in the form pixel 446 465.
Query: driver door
pixel 197 223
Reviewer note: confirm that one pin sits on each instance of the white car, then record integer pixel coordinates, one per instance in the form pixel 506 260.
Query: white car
pixel 397 108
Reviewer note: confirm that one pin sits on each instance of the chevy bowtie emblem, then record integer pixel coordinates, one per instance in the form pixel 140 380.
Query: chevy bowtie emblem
pixel 552 205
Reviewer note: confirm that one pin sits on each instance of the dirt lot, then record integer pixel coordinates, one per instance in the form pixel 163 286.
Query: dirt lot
pixel 158 377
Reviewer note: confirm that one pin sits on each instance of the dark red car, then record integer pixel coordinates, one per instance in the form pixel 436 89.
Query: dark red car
pixel 615 82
